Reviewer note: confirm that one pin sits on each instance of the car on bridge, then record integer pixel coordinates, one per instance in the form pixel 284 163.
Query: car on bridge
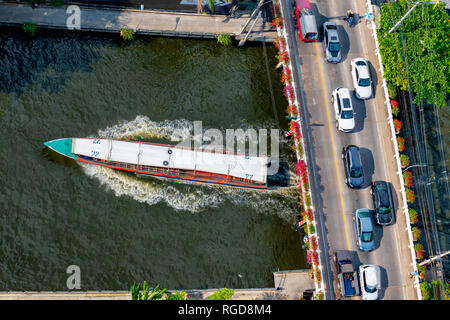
pixel 330 42
pixel 364 229
pixel 343 109
pixel 361 78
pixel 382 202
pixel 353 169
pixel 370 281
pixel 346 273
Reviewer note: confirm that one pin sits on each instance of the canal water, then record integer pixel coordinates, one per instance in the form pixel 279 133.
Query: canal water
pixel 116 227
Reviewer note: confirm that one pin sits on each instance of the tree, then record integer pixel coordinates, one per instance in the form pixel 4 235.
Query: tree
pixel 422 40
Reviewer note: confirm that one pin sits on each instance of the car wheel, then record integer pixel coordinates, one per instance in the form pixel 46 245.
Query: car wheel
pixel 337 124
pixel 332 99
pixel 346 181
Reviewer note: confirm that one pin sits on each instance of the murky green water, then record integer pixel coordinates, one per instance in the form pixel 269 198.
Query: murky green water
pixel 116 227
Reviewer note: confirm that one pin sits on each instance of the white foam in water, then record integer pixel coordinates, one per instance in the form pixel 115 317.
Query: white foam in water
pixel 193 197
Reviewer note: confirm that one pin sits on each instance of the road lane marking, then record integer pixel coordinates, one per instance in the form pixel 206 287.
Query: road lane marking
pixel 333 145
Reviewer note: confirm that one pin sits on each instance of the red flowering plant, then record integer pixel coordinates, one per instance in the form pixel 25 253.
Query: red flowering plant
pixel 280 44
pixel 295 128
pixel 407 178
pixel 283 57
pixel 398 126
pixel 404 159
pixel 278 22
pixel 394 105
pixel 317 275
pixel 312 257
pixel 292 109
pixel 419 251
pixel 410 196
pixel 401 144
pixel 286 77
pixel 288 92
pixel 313 243
pixel 303 174
pixel 309 214
pixel 413 216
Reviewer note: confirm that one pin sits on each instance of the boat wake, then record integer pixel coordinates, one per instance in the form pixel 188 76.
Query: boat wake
pixel 192 197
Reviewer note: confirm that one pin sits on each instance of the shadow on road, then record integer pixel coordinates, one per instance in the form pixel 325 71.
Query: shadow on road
pixel 359 109
pixel 368 166
pixel 374 77
pixel 394 200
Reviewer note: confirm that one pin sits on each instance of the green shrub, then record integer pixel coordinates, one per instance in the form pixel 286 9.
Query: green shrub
pixel 127 34
pixel 224 39
pixel 222 294
pixel 29 28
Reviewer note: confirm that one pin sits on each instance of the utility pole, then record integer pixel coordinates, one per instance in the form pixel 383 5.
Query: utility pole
pixel 434 258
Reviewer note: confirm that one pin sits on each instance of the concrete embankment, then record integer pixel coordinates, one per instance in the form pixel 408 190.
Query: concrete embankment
pixel 289 285
pixel 149 22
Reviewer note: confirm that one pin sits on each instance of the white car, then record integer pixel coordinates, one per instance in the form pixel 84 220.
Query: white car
pixel 343 109
pixel 361 78
pixel 370 281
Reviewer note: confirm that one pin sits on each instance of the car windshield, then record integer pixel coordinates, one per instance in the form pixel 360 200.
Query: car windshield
pixel 383 210
pixel 356 172
pixel 366 236
pixel 347 114
pixel 334 46
pixel 364 82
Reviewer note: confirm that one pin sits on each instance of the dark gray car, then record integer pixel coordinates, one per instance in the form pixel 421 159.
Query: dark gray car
pixel 382 202
pixel 354 176
pixel 331 43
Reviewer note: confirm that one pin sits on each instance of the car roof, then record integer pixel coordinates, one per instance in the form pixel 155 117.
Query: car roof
pixel 371 274
pixel 363 70
pixel 366 221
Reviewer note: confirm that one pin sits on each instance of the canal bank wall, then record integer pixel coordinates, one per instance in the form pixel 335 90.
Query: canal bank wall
pixel 289 285
pixel 145 22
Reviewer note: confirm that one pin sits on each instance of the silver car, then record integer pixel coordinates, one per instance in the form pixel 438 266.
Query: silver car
pixel 370 280
pixel 331 43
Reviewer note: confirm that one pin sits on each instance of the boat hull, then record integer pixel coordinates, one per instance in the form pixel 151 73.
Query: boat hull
pixel 170 176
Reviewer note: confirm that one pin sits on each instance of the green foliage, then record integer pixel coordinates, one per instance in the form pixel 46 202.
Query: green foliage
pixel 222 294
pixel 29 27
pixel 135 292
pixel 57 3
pixel 427 56
pixel 432 290
pixel 416 233
pixel 155 294
pixel 127 34
pixel 404 159
pixel 179 295
pixel 211 4
pixel 413 216
pixel 224 39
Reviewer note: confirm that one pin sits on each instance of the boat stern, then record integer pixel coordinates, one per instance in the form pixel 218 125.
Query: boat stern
pixel 62 146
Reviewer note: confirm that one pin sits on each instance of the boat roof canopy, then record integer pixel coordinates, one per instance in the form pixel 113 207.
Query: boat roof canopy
pixel 241 166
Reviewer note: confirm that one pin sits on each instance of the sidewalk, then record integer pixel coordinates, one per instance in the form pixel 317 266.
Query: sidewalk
pixel 143 22
pixel 389 160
